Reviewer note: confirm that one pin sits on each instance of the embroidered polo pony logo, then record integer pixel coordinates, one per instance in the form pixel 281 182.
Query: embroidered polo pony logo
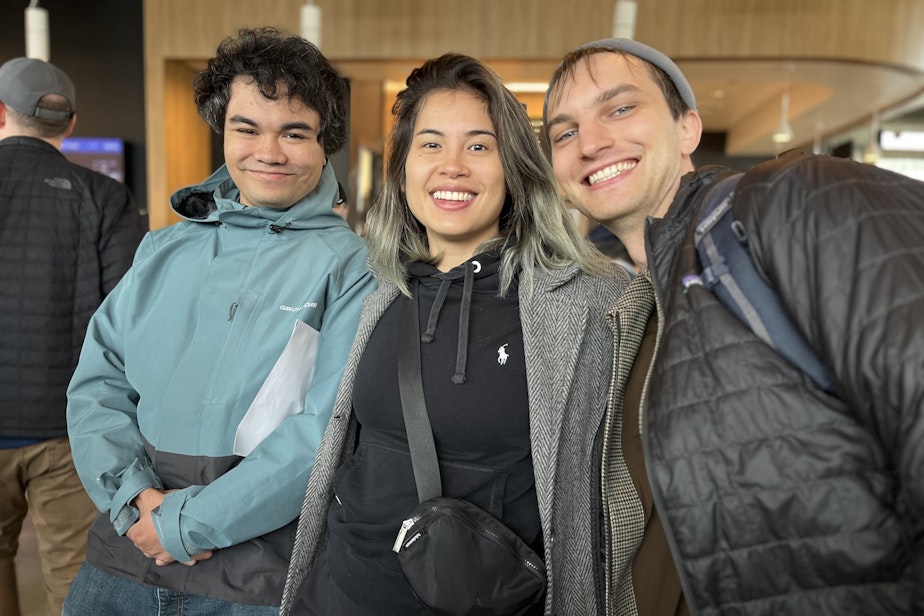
pixel 502 354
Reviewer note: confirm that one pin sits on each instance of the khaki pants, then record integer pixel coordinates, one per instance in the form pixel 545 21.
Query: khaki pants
pixel 41 479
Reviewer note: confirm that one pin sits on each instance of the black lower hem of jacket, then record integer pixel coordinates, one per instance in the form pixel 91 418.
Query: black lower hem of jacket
pixel 249 573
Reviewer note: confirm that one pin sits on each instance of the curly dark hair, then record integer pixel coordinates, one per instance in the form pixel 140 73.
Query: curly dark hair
pixel 276 60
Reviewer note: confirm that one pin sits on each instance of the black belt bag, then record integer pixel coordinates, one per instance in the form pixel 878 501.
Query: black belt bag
pixel 457 558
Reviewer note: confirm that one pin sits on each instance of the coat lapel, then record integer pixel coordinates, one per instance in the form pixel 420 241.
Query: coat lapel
pixel 553 328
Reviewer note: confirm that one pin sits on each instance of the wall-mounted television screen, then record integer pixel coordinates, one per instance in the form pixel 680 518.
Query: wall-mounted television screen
pixel 104 155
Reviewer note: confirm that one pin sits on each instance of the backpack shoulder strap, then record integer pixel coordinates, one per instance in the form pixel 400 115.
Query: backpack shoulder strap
pixel 729 272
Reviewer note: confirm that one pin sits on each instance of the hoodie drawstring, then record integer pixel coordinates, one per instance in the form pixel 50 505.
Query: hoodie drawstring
pixel 465 310
pixel 462 346
pixel 435 310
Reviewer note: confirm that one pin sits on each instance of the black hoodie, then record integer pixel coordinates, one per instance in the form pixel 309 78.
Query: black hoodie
pixel 474 380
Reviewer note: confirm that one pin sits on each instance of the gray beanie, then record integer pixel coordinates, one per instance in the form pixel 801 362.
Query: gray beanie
pixel 643 52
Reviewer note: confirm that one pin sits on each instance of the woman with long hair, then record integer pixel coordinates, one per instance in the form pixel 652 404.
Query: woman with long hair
pixel 516 355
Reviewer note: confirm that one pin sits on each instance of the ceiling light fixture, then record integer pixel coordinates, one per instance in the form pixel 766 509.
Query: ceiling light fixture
pixel 783 132
pixel 817 145
pixel 37 32
pixel 902 140
pixel 624 12
pixel 311 23
pixel 528 87
pixel 872 151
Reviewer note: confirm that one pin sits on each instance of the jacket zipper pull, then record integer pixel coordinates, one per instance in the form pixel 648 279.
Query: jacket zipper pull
pixel 231 311
pixel 405 526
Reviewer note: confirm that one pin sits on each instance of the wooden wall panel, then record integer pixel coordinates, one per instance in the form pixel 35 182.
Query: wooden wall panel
pixel 886 32
pixel 187 136
pixel 191 29
pixel 487 28
pixel 366 125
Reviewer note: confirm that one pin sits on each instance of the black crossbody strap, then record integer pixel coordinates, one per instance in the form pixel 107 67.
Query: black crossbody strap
pixel 416 422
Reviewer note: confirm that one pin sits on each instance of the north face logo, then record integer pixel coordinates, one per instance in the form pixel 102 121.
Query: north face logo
pixel 58 183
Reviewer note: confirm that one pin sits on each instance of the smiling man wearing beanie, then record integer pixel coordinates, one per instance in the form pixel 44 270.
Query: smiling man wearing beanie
pixel 730 483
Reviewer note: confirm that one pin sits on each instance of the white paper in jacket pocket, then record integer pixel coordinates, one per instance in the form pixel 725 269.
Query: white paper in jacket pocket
pixel 283 392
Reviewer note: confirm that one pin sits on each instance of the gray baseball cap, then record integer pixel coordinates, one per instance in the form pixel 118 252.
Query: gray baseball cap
pixel 24 81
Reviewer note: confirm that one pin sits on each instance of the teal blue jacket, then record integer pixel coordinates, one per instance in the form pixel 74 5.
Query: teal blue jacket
pixel 174 359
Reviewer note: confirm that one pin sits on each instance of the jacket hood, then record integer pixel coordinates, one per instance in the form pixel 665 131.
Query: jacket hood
pixel 217 200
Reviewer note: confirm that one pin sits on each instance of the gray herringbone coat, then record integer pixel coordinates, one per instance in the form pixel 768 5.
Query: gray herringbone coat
pixel 569 357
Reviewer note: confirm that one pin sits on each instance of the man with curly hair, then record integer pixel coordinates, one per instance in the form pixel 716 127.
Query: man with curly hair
pixel 209 373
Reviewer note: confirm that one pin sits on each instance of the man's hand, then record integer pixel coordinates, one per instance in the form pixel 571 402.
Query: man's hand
pixel 200 556
pixel 143 534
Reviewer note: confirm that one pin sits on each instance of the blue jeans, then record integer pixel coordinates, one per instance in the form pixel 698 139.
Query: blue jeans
pixel 95 592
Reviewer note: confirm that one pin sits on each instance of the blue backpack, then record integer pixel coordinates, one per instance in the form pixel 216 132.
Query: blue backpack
pixel 729 272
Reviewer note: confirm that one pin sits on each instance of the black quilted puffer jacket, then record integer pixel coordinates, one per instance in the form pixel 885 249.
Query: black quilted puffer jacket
pixel 777 498
pixel 67 235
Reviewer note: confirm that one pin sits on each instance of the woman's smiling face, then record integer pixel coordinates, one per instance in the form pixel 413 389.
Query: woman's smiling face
pixel 454 179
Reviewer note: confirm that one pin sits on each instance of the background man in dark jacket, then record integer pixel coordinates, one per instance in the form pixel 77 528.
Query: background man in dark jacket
pixel 730 483
pixel 67 234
